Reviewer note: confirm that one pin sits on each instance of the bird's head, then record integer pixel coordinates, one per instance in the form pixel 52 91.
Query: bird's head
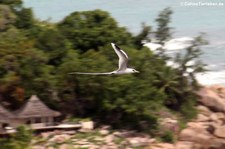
pixel 133 70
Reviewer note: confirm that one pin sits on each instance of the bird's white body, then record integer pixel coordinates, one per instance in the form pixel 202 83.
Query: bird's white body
pixel 122 68
pixel 126 71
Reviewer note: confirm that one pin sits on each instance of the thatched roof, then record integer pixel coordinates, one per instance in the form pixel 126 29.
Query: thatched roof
pixel 4 114
pixel 35 108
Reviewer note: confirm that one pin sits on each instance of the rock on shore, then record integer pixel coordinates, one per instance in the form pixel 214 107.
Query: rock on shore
pixel 207 131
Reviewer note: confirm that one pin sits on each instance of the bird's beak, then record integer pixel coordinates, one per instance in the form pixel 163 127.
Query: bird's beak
pixel 137 71
pixel 113 45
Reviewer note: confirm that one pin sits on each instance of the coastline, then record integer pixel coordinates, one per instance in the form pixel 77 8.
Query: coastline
pixel 207 130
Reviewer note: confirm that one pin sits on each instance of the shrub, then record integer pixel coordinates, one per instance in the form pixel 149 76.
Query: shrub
pixel 20 140
pixel 168 136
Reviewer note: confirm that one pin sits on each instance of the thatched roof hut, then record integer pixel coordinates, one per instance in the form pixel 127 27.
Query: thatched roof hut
pixel 35 108
pixel 5 115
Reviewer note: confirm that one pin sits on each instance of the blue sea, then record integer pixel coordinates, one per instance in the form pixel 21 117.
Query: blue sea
pixel 190 17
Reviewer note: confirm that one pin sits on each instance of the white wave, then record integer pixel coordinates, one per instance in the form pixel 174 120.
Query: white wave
pixel 190 63
pixel 217 66
pixel 179 43
pixel 172 64
pixel 152 46
pixel 211 77
pixel 212 66
pixel 171 45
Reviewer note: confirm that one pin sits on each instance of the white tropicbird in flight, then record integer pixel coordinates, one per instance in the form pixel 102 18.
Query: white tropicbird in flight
pixel 123 60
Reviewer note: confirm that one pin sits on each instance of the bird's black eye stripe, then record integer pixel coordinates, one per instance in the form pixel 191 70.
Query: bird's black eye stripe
pixel 117 47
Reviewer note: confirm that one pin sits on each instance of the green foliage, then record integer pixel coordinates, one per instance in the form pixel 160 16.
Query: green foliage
pixel 87 135
pixel 93 29
pixel 163 31
pixel 23 134
pixel 20 65
pixel 179 84
pixel 118 140
pixel 20 140
pixel 167 79
pixel 188 109
pixel 143 35
pixel 12 3
pixel 114 99
pixel 7 17
pixel 168 136
pixel 181 95
pixel 36 58
pixel 192 54
pixel 25 18
pixel 179 92
pixel 54 44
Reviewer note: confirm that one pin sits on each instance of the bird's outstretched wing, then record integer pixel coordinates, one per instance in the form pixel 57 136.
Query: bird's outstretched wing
pixel 123 58
pixel 91 73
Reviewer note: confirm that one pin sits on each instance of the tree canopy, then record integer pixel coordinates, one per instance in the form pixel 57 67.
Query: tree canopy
pixel 93 29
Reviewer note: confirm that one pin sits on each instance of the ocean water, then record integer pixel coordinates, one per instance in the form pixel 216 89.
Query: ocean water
pixel 190 17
